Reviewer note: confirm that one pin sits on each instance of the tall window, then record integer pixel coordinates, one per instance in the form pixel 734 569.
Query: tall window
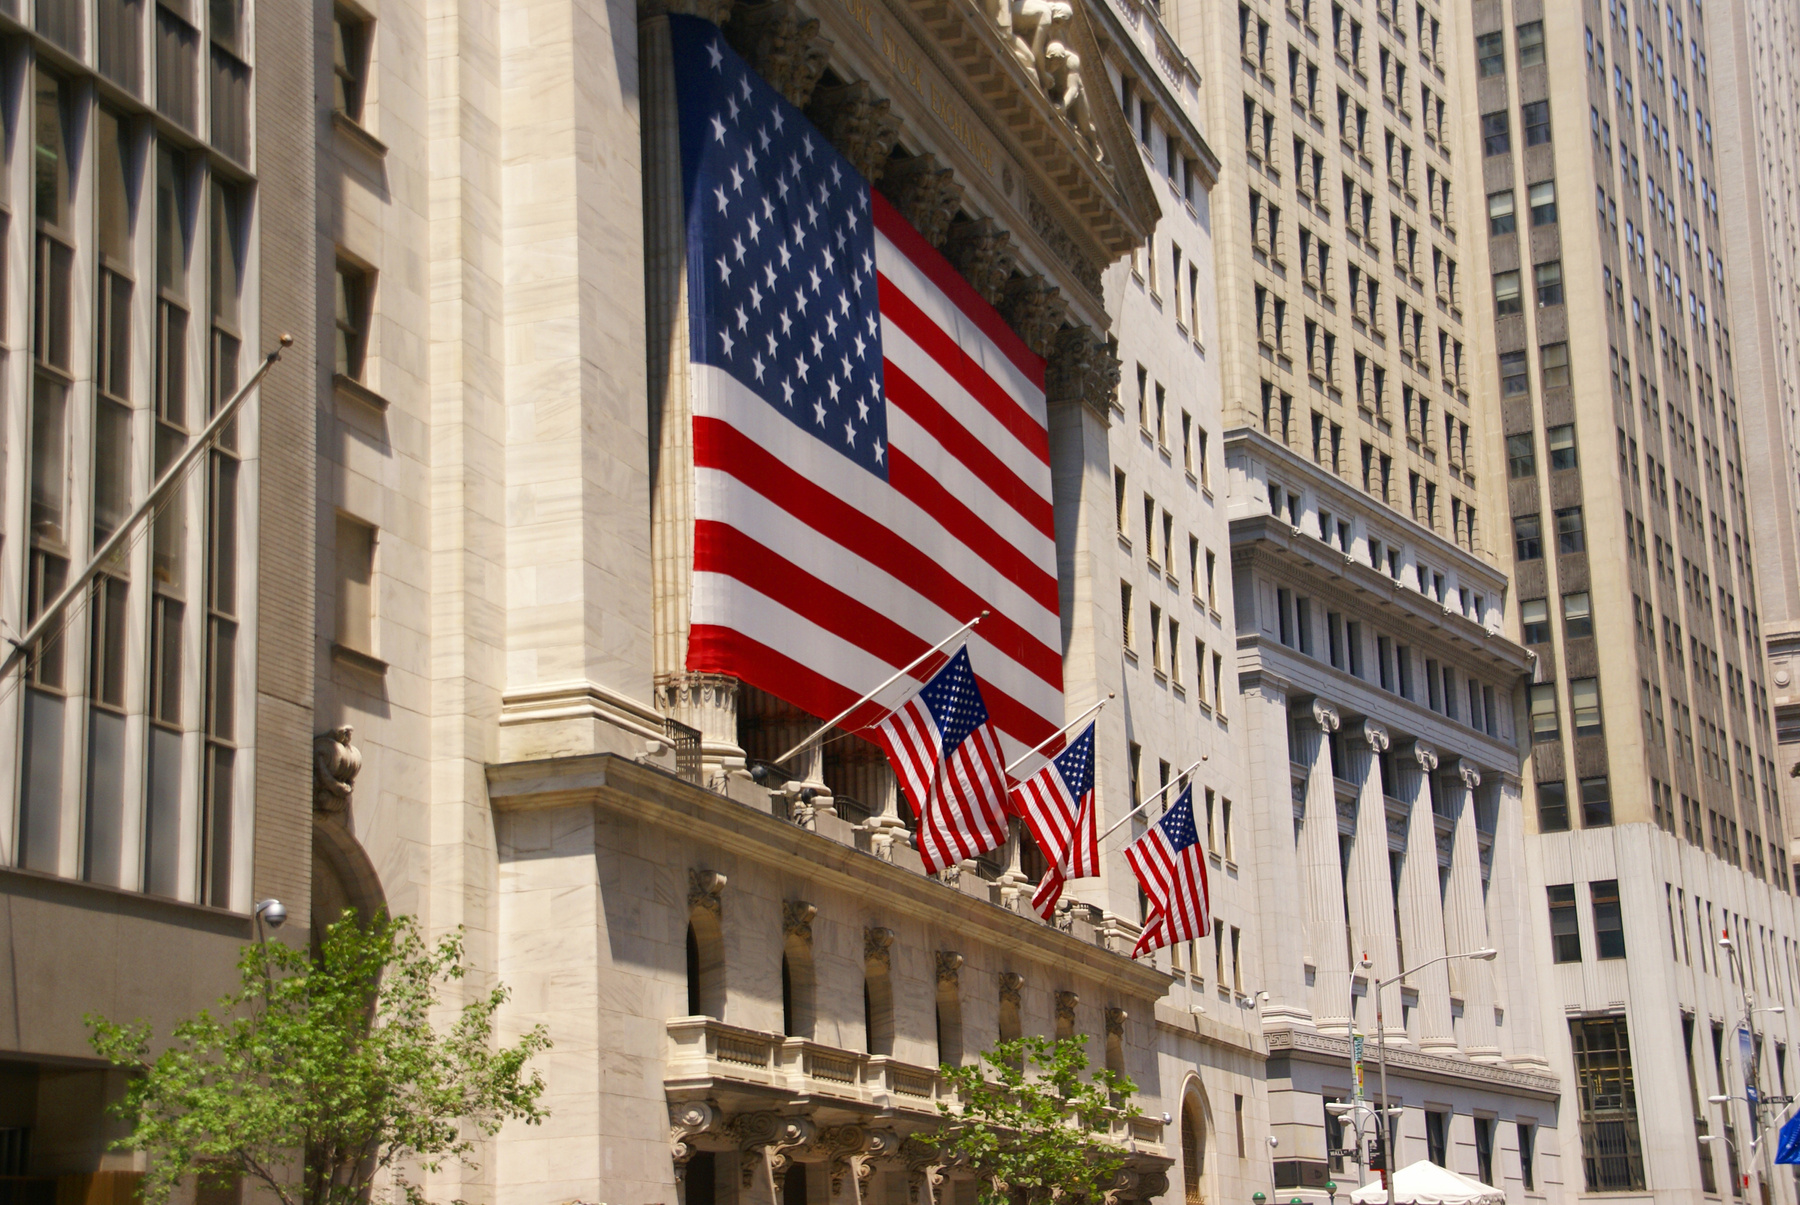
pixel 1437 1136
pixel 1565 927
pixel 1612 1159
pixel 1193 1152
pixel 1553 807
pixel 355 577
pixel 349 61
pixel 354 295
pixel 1609 925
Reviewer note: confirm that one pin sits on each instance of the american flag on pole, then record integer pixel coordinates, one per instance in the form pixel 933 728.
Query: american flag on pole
pixel 871 454
pixel 1171 868
pixel 1057 805
pixel 947 756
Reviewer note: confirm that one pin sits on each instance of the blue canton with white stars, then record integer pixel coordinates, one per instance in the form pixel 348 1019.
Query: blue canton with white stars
pixel 1076 765
pixel 954 701
pixel 781 251
pixel 1178 822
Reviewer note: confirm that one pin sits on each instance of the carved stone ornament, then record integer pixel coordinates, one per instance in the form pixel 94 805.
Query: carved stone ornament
pixel 1066 1004
pixel 926 194
pixel 861 126
pixel 1115 1020
pixel 1376 735
pixel 704 888
pixel 1034 308
pixel 1325 716
pixel 1011 985
pixel 836 1146
pixel 1427 756
pixel 949 966
pixel 766 1139
pixel 1082 369
pixel 336 763
pixel 877 943
pixel 785 48
pixel 797 918
pixel 688 1120
pixel 1152 1184
pixel 715 11
pixel 1471 775
pixel 925 1166
pixel 983 253
pixel 1062 244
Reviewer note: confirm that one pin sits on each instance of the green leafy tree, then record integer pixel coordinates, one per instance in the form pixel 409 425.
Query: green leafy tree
pixel 1034 1137
pixel 321 1073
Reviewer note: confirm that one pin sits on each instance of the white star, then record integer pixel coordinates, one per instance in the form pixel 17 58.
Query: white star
pixel 818 344
pixel 781 186
pixel 778 119
pixel 731 103
pixel 769 269
pixel 724 270
pixel 863 200
pixel 785 254
pixel 800 300
pixel 794 165
pixel 814 274
pixel 843 303
pixel 799 235
pixel 840 238
pixel 743 319
pixel 737 180
pixel 878 451
pixel 757 362
pixel 874 385
pixel 873 329
pixel 800 367
pixel 852 216
pixel 768 211
pixel 837 176
pixel 868 264
pixel 862 409
pixel 849 433
pixel 715 54
pixel 819 410
pixel 808 144
pixel 787 323
pixel 737 244
pixel 719 192
pixel 812 214
pixel 762 135
pixel 830 325
pixel 856 283
pixel 830 259
pixel 725 338
pixel 861 349
pixel 755 229
pixel 824 194
pixel 787 392
pixel 744 83
pixel 755 297
pixel 832 385
pixel 846 363
pixel 718 129
pixel 771 337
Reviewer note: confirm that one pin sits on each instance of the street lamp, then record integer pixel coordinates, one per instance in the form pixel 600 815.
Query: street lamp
pixel 1487 954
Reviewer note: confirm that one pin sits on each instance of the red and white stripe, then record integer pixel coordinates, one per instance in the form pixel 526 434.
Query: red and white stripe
pixel 961 798
pixel 1065 828
pixel 815 580
pixel 1175 883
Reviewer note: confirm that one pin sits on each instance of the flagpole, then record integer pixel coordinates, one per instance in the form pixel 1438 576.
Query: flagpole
pixel 1063 731
pixel 828 725
pixel 1140 807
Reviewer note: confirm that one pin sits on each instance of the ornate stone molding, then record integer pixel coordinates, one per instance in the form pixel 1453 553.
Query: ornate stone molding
pixel 797 918
pixel 1066 1004
pixel 1012 984
pixel 1062 245
pixel 715 11
pixel 1376 735
pixel 1326 717
pixel 765 1139
pixel 785 48
pixel 836 1146
pixel 704 889
pixel 1082 369
pixel 1471 775
pixel 949 966
pixel 1115 1020
pixel 859 124
pixel 1426 756
pixel 925 193
pixel 1034 308
pixel 688 1120
pixel 983 253
pixel 877 943
pixel 1336 1049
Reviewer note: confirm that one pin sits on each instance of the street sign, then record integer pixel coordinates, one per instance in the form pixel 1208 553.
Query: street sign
pixel 1341 1152
pixel 1747 1060
pixel 1356 1070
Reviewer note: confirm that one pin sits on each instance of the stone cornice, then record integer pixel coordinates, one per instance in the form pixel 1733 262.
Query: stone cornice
pixel 1427 1066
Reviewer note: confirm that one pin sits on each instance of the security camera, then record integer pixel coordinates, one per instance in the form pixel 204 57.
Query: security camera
pixel 272 912
pixel 1274 1142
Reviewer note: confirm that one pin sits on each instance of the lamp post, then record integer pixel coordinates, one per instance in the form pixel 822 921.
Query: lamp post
pixel 1754 1108
pixel 1387 1174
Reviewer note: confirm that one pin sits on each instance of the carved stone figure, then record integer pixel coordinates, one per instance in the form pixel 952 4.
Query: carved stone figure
pixel 1068 92
pixel 1033 24
pixel 336 763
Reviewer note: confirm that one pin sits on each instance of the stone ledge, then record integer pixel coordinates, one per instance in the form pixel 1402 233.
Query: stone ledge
pixel 1281 1041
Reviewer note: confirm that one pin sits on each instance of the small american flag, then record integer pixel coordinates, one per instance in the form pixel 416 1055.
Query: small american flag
pixel 1171 868
pixel 871 447
pixel 946 754
pixel 1057 805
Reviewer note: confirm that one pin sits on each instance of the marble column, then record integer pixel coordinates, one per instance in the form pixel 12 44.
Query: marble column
pixel 1510 927
pixel 1421 905
pixel 1281 887
pixel 1466 922
pixel 1323 879
pixel 1371 892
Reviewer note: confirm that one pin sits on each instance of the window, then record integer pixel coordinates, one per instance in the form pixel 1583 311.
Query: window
pixel 1527 1156
pixel 1609 925
pixel 1549 283
pixel 349 62
pixel 1496 134
pixel 355 577
pixel 1521 455
pixel 1612 1159
pixel 1501 218
pixel 1553 365
pixel 1119 494
pixel 1484 1147
pixel 1534 614
pixel 1596 803
pixel 1578 615
pixel 1570 536
pixel 1528 538
pixel 1515 380
pixel 1562 446
pixel 1543 203
pixel 1553 807
pixel 1506 294
pixel 1565 928
pixel 1531 54
pixel 1543 712
pixel 1437 1136
pixel 1534 119
pixel 354 294
pixel 1490 53
pixel 1584 702
pixel 1125 614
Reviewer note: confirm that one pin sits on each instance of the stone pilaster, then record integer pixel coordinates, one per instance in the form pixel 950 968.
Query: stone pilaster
pixel 1510 929
pixel 1324 880
pixel 1281 889
pixel 1421 907
pixel 1371 892
pixel 1466 923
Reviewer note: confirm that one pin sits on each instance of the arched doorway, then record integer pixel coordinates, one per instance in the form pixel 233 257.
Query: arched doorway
pixel 342 877
pixel 1196 1136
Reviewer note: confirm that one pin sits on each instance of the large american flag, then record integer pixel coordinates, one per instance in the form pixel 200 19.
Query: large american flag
pixel 1057 805
pixel 871 454
pixel 1171 868
pixel 947 756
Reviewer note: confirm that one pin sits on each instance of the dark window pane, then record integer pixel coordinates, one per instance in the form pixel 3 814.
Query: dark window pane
pixel 1553 807
pixel 1565 927
pixel 1596 803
